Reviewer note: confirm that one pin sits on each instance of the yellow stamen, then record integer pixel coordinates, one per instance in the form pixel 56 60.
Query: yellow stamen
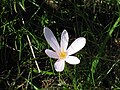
pixel 62 54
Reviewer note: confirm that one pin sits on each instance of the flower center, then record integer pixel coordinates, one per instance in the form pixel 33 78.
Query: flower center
pixel 62 54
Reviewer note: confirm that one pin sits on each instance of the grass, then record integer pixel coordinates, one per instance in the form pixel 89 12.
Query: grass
pixel 23 62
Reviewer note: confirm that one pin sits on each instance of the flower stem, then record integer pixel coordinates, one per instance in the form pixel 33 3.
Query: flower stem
pixel 60 81
pixel 59 77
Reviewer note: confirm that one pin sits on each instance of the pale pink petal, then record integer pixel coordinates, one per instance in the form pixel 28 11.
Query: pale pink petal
pixel 51 53
pixel 64 40
pixel 72 60
pixel 77 45
pixel 52 41
pixel 59 65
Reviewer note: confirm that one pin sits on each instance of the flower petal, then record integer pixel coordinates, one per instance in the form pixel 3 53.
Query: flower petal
pixel 72 60
pixel 59 65
pixel 64 40
pixel 51 53
pixel 52 41
pixel 77 45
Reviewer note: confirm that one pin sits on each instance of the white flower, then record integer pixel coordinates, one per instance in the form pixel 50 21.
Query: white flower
pixel 61 52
